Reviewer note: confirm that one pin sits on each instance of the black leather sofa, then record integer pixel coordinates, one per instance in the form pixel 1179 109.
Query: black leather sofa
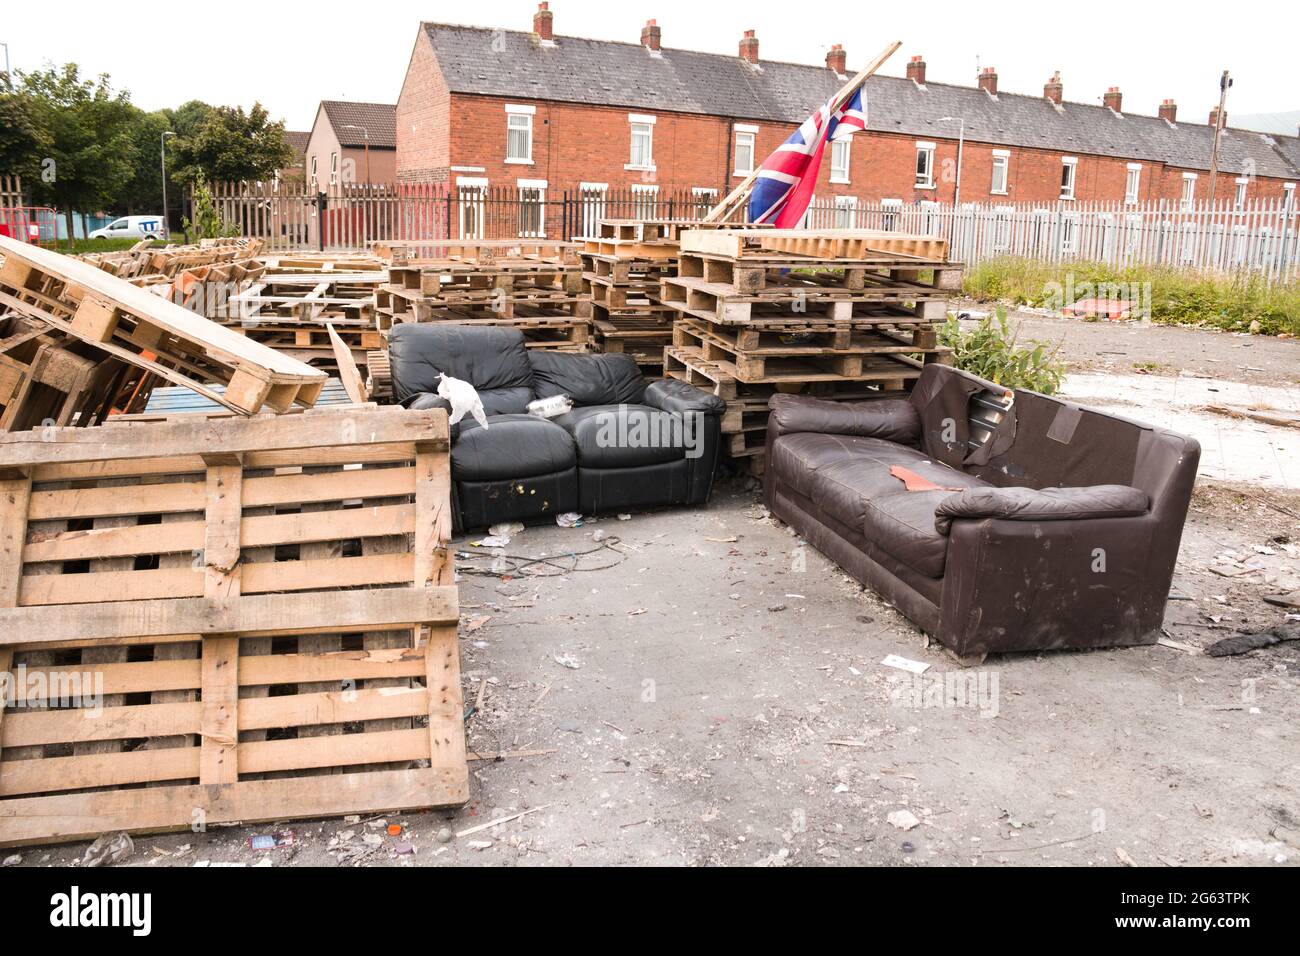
pixel 627 444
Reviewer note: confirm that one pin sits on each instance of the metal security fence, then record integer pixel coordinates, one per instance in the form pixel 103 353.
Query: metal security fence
pixel 1261 236
pixel 294 217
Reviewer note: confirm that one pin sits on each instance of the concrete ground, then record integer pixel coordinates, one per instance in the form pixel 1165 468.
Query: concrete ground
pixel 703 689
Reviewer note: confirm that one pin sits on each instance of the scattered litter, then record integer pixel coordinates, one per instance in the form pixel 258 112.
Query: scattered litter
pixel 110 849
pixel 1283 600
pixel 394 829
pixel 599 535
pixel 638 612
pixel 903 664
pixel 903 819
pixel 491 541
pixel 498 821
pixel 731 540
pixel 12 860
pixel 570 519
pixel 565 660
pixel 1178 645
pixel 404 849
pixel 474 623
pixel 464 400
pixel 479 844
pixel 624 517
pixel 444 835
pixel 1123 856
pixel 552 407
pixel 271 841
pixel 777 608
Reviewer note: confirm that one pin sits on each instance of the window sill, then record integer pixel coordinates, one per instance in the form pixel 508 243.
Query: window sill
pixel 519 162
pixel 926 186
pixel 998 192
pixel 631 167
pixel 840 182
pixel 742 174
pixel 1067 199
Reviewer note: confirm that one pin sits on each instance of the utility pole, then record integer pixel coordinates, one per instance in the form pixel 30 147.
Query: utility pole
pixel 1225 82
pixel 162 142
pixel 9 77
pixel 961 149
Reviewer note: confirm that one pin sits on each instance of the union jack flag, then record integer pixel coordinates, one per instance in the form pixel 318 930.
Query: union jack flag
pixel 785 182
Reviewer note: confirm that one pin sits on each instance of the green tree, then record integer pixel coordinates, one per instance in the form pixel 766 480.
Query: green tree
pixel 142 193
pixel 87 138
pixel 228 144
pixel 23 143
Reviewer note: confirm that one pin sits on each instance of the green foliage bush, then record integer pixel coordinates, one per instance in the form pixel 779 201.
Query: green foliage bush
pixel 1243 303
pixel 990 351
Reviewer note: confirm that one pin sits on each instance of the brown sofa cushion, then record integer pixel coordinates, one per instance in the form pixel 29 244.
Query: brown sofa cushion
pixel 1048 504
pixel 893 419
pixel 849 479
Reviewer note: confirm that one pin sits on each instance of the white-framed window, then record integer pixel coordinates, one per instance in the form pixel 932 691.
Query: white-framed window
pixel 1001 166
pixel 519 133
pixel 334 169
pixel 1240 199
pixel 925 165
pixel 643 141
pixel 471 196
pixel 314 181
pixel 846 212
pixel 1069 175
pixel 840 160
pixel 746 146
pixel 889 212
pixel 704 199
pixel 532 208
pixel 1189 189
pixel 1133 183
pixel 645 201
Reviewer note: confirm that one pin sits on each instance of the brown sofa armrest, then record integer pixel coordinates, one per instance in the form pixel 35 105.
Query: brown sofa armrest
pixel 1047 504
pixel 891 419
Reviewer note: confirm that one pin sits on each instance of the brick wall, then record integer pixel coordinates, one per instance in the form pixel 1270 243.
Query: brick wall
pixel 423 117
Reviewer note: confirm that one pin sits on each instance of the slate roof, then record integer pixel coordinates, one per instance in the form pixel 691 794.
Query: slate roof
pixel 379 119
pixel 297 142
pixel 507 63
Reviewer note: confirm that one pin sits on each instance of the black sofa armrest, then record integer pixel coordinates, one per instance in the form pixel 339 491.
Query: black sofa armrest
pixel 1047 504
pixel 670 395
pixel 889 419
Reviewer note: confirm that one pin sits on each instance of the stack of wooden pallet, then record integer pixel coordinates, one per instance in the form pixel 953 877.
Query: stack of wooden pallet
pixel 146 260
pixel 293 311
pixel 842 315
pixel 622 267
pixel 532 285
pixel 213 621
pixel 77 343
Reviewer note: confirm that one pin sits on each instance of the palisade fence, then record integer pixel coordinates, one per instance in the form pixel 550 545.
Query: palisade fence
pixel 1260 237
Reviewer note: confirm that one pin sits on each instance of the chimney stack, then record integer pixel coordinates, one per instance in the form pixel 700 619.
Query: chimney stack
pixel 836 59
pixel 1113 99
pixel 542 21
pixel 650 35
pixel 916 70
pixel 1214 117
pixel 749 47
pixel 988 80
pixel 1053 89
pixel 1169 111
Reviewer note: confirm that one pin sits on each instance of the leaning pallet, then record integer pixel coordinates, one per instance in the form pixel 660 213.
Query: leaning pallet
pixel 224 620
pixel 150 332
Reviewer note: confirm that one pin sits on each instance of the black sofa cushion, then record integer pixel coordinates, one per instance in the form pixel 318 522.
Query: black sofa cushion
pixel 628 436
pixel 490 359
pixel 496 401
pixel 588 379
pixel 512 446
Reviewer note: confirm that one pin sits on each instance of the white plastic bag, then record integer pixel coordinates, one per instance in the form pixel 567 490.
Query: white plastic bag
pixel 463 398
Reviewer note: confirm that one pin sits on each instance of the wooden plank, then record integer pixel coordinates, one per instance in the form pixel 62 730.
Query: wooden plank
pixel 252 615
pixel 87 815
pixel 353 384
pixel 446 733
pixel 219 755
pixel 15 496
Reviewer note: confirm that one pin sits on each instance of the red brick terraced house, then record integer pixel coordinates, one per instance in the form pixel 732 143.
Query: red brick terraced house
pixel 546 113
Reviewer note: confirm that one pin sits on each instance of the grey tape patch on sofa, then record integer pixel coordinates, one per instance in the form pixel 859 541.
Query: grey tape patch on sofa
pixel 1063 426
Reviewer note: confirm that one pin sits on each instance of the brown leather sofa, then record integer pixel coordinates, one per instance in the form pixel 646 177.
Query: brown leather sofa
pixel 1053 526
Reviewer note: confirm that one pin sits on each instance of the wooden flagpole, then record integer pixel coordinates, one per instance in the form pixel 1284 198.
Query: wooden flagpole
pixel 727 206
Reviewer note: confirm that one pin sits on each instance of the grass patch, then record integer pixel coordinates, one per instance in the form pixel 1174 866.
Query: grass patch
pixel 77 247
pixel 990 351
pixel 1178 296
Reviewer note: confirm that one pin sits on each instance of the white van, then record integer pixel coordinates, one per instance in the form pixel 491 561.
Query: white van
pixel 133 227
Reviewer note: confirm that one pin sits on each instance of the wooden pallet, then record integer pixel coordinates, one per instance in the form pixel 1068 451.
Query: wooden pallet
pixel 883 273
pixel 844 352
pixel 822 244
pixel 627 271
pixel 566 332
pixel 499 253
pixel 316 299
pixel 147 331
pixel 265 610
pixel 379 376
pixel 147 259
pixel 723 305
pixel 722 377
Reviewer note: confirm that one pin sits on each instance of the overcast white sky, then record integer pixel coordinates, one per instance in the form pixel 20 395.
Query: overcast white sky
pixel 292 55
